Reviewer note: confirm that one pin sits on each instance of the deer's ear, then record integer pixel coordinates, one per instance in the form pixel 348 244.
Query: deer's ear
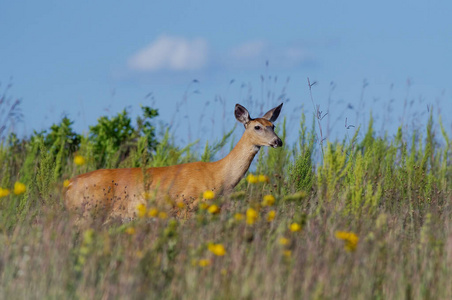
pixel 273 113
pixel 241 114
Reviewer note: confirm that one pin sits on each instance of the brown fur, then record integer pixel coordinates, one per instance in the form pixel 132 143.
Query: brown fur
pixel 116 193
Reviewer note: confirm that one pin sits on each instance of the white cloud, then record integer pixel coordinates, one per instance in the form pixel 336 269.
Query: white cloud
pixel 248 50
pixel 254 54
pixel 175 54
pixel 296 54
pixel 171 53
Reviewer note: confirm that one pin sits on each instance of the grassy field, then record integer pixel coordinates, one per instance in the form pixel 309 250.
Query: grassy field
pixel 369 219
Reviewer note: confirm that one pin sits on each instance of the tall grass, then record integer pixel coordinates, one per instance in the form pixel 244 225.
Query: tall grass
pixel 392 193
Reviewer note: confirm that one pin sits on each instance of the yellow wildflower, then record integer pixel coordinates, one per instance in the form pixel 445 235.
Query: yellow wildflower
pixel 130 230
pixel 263 178
pixel 79 160
pixel 163 215
pixel 84 250
pixel 213 209
pixel 217 249
pixel 269 200
pixel 141 208
pixel 153 212
pixel 287 253
pixel 4 192
pixel 284 241
pixel 208 195
pixel 294 227
pixel 351 239
pixel 66 183
pixel 204 262
pixel 203 205
pixel 88 236
pixel 180 204
pixel 252 179
pixel 19 188
pixel 239 217
pixel 271 215
pixel 251 216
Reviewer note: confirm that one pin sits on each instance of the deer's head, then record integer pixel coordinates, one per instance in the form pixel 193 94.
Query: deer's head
pixel 260 131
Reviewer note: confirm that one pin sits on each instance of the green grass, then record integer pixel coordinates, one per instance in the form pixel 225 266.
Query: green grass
pixel 393 193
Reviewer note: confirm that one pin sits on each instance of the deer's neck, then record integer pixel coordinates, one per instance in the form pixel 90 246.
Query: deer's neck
pixel 234 166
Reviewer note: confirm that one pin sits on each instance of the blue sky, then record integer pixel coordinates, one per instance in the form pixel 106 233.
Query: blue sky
pixel 86 59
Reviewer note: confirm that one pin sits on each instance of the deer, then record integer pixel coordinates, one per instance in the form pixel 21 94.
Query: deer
pixel 112 194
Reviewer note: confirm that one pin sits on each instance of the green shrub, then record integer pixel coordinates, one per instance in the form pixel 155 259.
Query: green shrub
pixel 114 138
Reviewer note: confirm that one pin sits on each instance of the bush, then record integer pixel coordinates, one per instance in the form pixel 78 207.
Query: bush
pixel 114 138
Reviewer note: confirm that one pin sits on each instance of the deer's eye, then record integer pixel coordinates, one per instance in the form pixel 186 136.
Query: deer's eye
pixel 257 127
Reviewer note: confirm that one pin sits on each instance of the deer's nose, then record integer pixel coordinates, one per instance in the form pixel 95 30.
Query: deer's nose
pixel 276 143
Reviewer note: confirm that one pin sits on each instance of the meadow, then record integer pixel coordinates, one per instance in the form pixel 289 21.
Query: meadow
pixel 365 217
